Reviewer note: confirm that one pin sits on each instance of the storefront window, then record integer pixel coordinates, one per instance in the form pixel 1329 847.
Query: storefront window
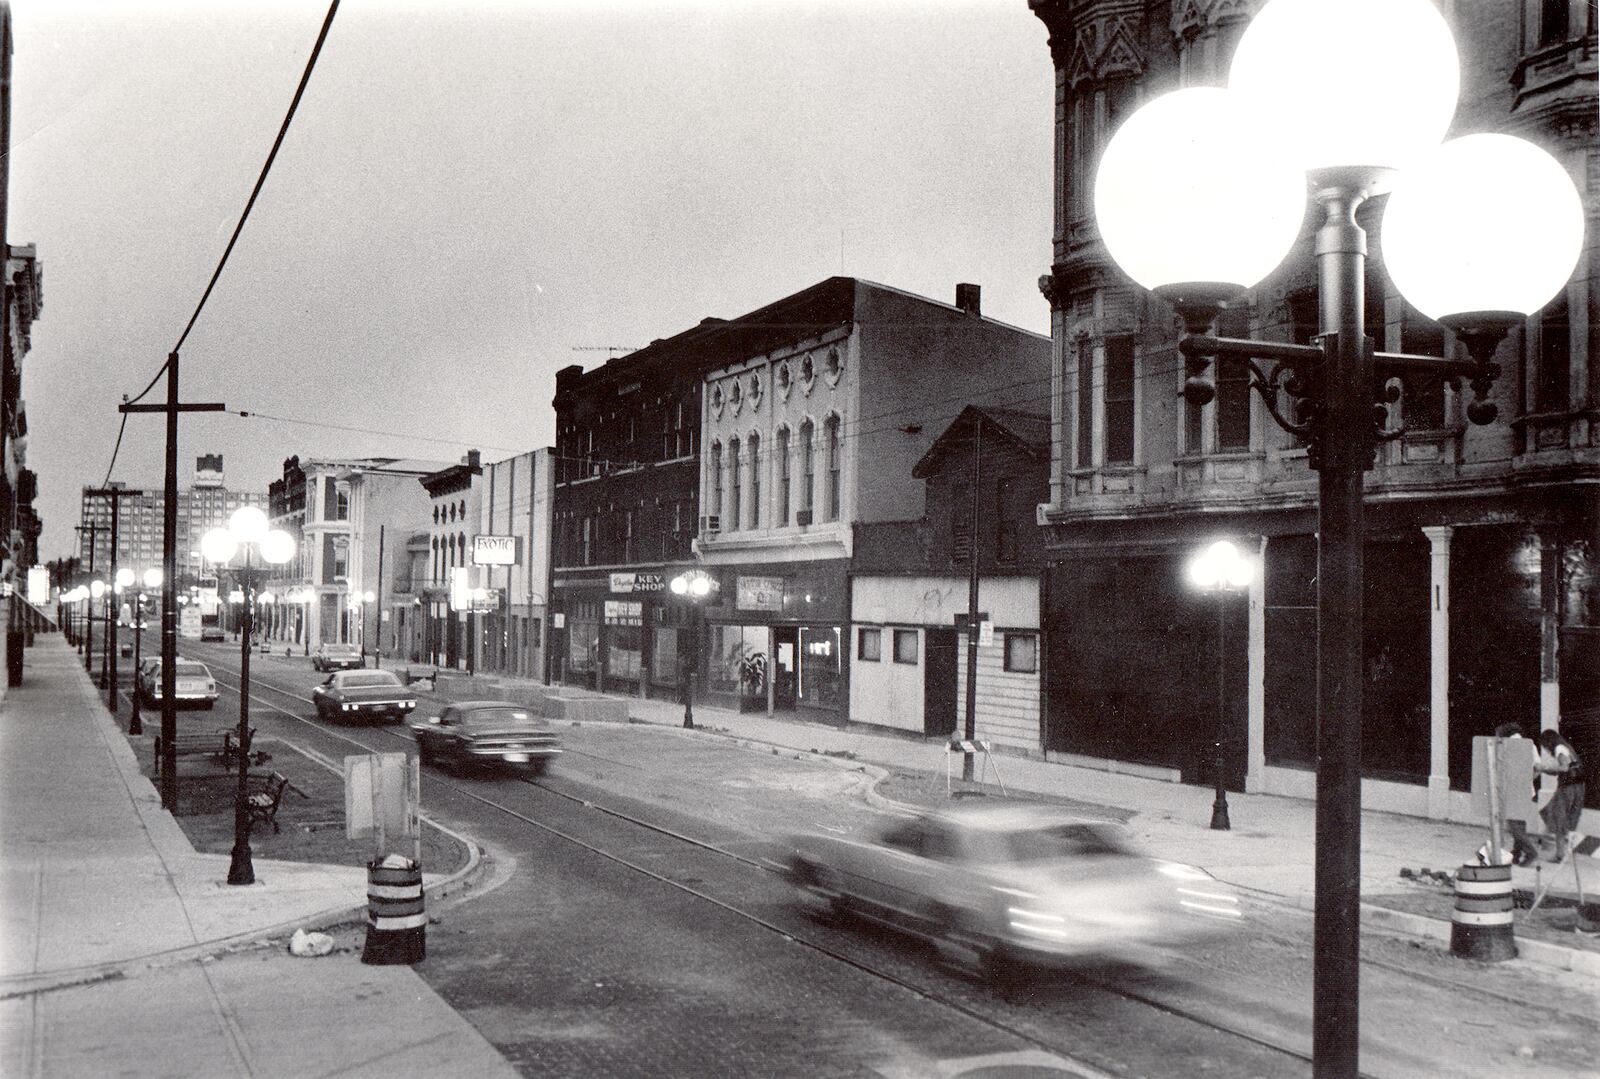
pixel 624 652
pixel 583 646
pixel 733 652
pixel 819 666
pixel 664 659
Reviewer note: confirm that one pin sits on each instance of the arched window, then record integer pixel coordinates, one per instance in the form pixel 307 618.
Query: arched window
pixel 755 480
pixel 832 426
pixel 716 479
pixel 808 460
pixel 783 478
pixel 734 485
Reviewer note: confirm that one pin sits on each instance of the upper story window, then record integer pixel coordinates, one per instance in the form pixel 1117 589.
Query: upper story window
pixel 832 429
pixel 341 503
pixel 1119 400
pixel 1552 359
pixel 716 479
pixel 808 459
pixel 755 480
pixel 1422 397
pixel 783 476
pixel 735 484
pixel 1083 399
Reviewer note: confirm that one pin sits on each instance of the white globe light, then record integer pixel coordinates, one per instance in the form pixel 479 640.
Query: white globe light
pixel 700 586
pixel 217 545
pixel 1366 83
pixel 368 596
pixel 248 524
pixel 1240 572
pixel 1187 192
pixel 277 547
pixel 1204 571
pixel 97 589
pixel 680 585
pixel 153 578
pixel 124 577
pixel 1483 223
pixel 267 597
pixel 236 596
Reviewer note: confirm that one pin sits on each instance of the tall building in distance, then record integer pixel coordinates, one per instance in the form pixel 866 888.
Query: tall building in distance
pixel 206 504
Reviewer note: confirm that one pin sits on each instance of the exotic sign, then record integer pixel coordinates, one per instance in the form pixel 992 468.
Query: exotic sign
pixel 490 550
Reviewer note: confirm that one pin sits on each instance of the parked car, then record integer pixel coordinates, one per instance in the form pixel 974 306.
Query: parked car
pixel 1001 885
pixel 363 695
pixel 212 633
pixel 336 657
pixel 487 733
pixel 194 685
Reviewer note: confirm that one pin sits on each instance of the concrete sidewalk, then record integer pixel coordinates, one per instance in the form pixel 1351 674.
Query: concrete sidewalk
pixel 109 920
pixel 1269 850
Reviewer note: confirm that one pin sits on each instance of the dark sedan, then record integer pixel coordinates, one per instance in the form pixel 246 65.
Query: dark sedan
pixel 363 695
pixel 487 733
pixel 336 657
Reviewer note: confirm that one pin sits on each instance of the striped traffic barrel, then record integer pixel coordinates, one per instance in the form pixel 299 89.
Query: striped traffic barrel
pixel 1480 925
pixel 397 923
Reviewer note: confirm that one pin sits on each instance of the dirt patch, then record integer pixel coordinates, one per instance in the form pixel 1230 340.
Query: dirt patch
pixel 310 817
pixel 927 789
pixel 1555 921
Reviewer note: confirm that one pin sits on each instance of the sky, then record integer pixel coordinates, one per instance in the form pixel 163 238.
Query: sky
pixel 475 195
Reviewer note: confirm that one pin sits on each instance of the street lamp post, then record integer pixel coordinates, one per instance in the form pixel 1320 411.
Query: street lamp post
pixel 694 586
pixel 1479 233
pixel 247 529
pixel 366 598
pixel 123 580
pixel 97 589
pixel 151 581
pixel 1221 570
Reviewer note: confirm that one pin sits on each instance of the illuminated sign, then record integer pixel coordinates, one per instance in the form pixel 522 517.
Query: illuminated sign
pixel 760 593
pixel 38 585
pixel 494 550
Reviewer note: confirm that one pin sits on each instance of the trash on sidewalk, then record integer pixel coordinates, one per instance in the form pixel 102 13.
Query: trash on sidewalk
pixel 310 944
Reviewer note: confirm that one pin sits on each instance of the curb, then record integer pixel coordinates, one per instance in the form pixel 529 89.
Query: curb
pixel 171 844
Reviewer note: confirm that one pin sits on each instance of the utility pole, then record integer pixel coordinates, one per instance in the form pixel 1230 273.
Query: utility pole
pixel 114 495
pixel 168 764
pixel 86 638
pixel 972 604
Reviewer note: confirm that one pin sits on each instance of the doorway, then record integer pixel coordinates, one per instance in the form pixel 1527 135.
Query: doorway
pixel 939 682
pixel 785 649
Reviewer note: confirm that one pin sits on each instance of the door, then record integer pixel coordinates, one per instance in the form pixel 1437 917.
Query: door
pixel 785 645
pixel 939 681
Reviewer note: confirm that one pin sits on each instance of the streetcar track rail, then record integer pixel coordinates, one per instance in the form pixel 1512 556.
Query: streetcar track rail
pixel 765 865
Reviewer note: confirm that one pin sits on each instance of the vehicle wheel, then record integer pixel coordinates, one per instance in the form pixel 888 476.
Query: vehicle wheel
pixel 208 705
pixel 424 754
pixel 963 948
pixel 819 894
pixel 539 767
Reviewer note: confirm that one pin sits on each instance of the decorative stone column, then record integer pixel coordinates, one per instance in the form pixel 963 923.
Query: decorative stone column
pixel 1439 671
pixel 1550 557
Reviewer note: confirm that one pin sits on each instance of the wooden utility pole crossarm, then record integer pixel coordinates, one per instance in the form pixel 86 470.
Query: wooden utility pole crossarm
pixel 168 765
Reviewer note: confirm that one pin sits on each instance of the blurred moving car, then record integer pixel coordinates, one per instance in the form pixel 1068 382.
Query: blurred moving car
pixel 487 733
pixel 212 633
pixel 336 657
pixel 363 694
pixel 194 686
pixel 995 885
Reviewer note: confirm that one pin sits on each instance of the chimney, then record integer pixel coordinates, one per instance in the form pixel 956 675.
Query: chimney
pixel 967 300
pixel 472 459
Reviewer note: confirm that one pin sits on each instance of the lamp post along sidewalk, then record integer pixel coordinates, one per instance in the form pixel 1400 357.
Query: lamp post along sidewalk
pixel 694 586
pixel 1221 570
pixel 1479 233
pixel 247 530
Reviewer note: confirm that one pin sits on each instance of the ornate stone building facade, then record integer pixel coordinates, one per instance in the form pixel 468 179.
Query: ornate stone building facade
pixel 1505 518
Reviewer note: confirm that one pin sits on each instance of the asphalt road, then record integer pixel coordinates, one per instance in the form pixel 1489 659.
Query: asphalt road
pixel 635 928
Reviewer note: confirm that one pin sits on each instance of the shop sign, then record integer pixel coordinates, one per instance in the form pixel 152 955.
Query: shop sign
pixel 761 593
pixel 638 582
pixel 488 550
pixel 622 612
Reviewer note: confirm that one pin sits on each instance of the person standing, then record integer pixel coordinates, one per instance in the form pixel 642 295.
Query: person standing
pixel 1566 805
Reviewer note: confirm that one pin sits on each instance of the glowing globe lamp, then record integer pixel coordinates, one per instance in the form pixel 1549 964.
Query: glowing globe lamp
pixel 248 524
pixel 1483 225
pixel 1191 202
pixel 218 545
pixel 277 546
pixel 1348 83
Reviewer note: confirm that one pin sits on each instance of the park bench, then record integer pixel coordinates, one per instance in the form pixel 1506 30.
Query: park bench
pixel 412 678
pixel 212 743
pixel 264 800
pixel 230 749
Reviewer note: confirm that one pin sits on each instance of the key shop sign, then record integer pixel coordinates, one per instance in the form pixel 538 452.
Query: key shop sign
pixel 638 582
